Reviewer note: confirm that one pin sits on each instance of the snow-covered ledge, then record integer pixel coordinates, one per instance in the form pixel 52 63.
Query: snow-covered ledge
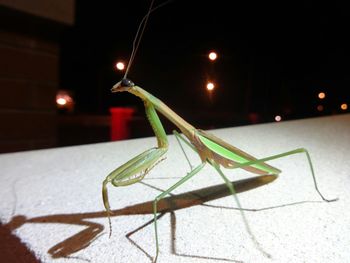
pixel 51 199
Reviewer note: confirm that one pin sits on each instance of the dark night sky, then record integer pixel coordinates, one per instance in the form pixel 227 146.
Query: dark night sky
pixel 274 57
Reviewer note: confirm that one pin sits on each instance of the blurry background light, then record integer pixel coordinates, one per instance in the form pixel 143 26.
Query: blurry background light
pixel 320 107
pixel 64 101
pixel 61 101
pixel 321 95
pixel 344 106
pixel 213 56
pixel 210 86
pixel 120 66
pixel 278 118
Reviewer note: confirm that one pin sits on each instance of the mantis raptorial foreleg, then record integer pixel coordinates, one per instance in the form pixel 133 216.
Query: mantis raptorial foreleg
pixel 131 172
pixel 137 168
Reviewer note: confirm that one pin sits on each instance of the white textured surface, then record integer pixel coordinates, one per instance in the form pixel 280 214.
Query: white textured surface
pixel 56 189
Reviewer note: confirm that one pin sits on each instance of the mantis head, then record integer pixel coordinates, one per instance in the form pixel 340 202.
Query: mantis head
pixel 123 85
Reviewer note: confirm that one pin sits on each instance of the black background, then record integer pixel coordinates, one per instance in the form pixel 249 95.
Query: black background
pixel 274 57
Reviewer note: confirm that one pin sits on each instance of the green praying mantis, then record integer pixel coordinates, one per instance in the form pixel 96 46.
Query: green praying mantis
pixel 211 150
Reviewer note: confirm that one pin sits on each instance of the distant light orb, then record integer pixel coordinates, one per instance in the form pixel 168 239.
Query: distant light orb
pixel 320 107
pixel 212 56
pixel 61 101
pixel 278 118
pixel 210 86
pixel 344 106
pixel 321 95
pixel 64 100
pixel 120 65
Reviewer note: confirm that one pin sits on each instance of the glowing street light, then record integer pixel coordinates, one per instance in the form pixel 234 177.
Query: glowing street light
pixel 321 95
pixel 278 118
pixel 210 86
pixel 120 66
pixel 61 101
pixel 213 56
pixel 344 106
pixel 64 100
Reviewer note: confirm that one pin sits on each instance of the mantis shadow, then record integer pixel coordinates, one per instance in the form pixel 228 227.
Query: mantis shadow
pixel 170 204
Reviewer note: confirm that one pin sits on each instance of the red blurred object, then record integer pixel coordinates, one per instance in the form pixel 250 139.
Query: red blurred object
pixel 120 122
pixel 253 117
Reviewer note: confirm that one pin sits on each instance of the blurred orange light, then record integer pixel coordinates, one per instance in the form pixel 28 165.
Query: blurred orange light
pixel 320 107
pixel 321 95
pixel 120 65
pixel 344 106
pixel 213 56
pixel 210 86
pixel 64 100
pixel 61 101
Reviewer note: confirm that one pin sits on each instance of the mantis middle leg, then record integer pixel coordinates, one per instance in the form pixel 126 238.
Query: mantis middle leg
pixel 166 192
pixel 180 138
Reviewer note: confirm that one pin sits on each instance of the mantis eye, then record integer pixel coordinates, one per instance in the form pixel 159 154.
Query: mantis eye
pixel 127 83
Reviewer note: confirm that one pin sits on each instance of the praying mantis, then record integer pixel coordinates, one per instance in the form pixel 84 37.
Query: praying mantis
pixel 211 150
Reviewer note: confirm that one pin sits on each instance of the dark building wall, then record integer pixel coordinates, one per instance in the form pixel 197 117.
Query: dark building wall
pixel 29 78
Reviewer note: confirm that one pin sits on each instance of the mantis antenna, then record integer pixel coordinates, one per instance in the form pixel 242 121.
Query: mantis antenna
pixel 139 33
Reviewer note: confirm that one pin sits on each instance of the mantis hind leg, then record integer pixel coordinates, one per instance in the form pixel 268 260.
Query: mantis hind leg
pixel 166 192
pixel 233 192
pixel 246 224
pixel 299 150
